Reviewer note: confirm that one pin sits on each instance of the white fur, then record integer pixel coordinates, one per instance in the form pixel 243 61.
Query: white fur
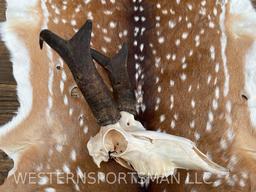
pixel 18 13
pixel 50 57
pixel 49 189
pixel 224 47
pixel 250 83
pixel 246 25
pixel 22 12
pixel 21 68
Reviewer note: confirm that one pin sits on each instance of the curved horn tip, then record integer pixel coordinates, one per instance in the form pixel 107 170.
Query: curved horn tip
pixel 41 43
pixel 44 32
pixel 41 38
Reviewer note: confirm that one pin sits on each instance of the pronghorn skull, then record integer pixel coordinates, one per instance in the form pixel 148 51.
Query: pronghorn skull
pixel 149 153
pixel 121 136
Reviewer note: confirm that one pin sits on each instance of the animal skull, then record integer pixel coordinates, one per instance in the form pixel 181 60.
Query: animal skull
pixel 149 153
pixel 121 136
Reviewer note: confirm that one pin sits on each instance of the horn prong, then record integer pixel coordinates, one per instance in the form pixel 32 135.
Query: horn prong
pixel 118 73
pixel 83 35
pixel 101 59
pixel 77 55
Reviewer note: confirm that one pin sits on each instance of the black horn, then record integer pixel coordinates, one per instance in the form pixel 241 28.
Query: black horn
pixel 118 73
pixel 77 55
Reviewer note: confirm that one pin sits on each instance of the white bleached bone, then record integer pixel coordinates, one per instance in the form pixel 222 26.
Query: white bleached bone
pixel 128 123
pixel 149 153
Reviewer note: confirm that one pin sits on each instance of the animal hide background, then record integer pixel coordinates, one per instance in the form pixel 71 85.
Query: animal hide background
pixel 192 68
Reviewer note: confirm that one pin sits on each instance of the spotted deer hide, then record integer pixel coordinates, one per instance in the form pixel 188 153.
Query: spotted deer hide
pixel 192 67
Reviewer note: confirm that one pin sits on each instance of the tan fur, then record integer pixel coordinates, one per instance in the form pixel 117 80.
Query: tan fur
pixel 38 133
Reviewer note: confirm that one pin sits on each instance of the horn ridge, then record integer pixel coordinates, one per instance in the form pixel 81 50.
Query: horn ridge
pixel 118 73
pixel 77 55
